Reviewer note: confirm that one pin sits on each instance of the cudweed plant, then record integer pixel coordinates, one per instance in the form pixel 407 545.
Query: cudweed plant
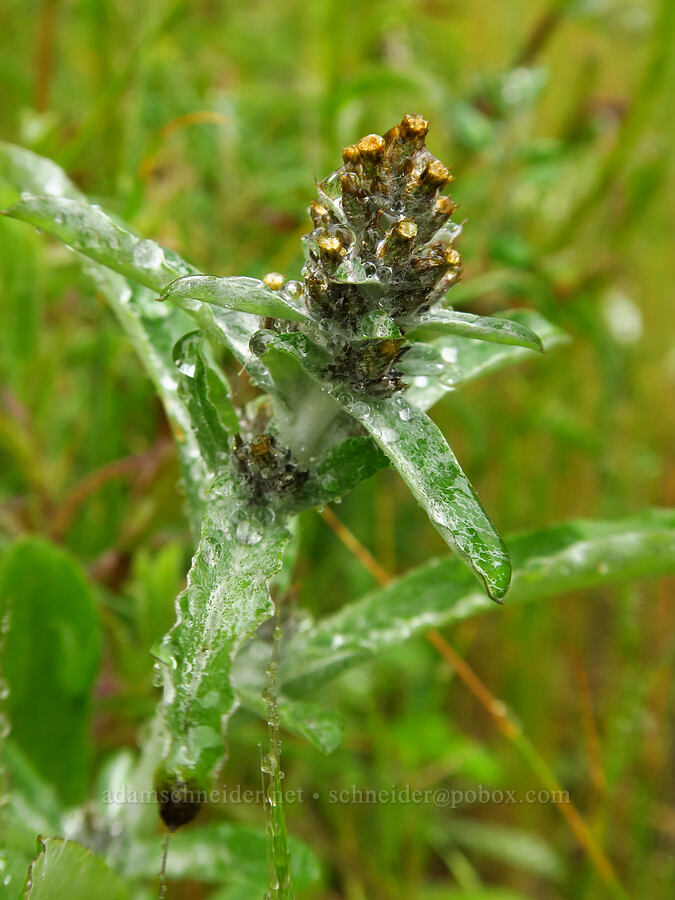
pixel 347 361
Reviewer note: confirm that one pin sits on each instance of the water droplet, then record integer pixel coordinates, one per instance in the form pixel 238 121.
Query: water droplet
pixel 405 413
pixel 370 270
pixel 359 409
pixel 148 255
pixel 186 367
pixel 264 516
pixel 211 551
pixel 345 397
pixel 260 341
pixel 157 675
pixel 246 532
pixel 291 290
pixel 385 273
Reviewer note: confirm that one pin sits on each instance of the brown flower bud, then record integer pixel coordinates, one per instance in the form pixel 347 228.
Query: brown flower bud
pixel 274 280
pixel 330 246
pixel 319 214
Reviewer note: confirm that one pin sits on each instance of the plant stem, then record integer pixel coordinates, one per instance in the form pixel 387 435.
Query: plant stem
pixel 279 858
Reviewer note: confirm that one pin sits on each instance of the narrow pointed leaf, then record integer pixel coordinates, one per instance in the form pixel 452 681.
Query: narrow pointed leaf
pixel 22 170
pixel 420 453
pixel 416 447
pixel 206 394
pixel 467 360
pixel 154 335
pixel 546 563
pixel 244 294
pixel 322 729
pixel 482 328
pixel 91 231
pixel 226 599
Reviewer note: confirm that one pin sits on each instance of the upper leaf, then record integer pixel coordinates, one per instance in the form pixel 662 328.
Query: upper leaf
pixel 482 328
pixel 245 294
pixel 87 228
pixel 465 361
pixel 419 451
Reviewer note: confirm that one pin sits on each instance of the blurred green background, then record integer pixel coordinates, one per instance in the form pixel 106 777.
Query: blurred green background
pixel 205 125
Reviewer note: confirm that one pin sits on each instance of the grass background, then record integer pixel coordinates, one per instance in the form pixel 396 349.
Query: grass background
pixel 204 124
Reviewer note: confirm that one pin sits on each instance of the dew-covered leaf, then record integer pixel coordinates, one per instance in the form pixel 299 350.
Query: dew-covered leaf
pixel 546 563
pixel 206 394
pixel 416 447
pixel 226 599
pixel 90 230
pixel 87 228
pixel 244 294
pixel 154 337
pixel 322 729
pixel 64 870
pixel 482 328
pixel 340 470
pixel 465 360
pixel 22 170
pixel 50 660
pixel 420 453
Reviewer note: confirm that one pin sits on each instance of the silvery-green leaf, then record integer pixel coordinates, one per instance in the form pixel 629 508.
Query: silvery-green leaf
pixel 244 294
pixel 416 447
pixel 482 328
pixel 466 360
pixel 421 359
pixel 546 563
pixel 226 599
pixel 22 170
pixel 90 230
pixel 206 394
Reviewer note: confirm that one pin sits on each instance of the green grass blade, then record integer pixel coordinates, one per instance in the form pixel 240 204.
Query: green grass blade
pixel 546 563
pixel 244 294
